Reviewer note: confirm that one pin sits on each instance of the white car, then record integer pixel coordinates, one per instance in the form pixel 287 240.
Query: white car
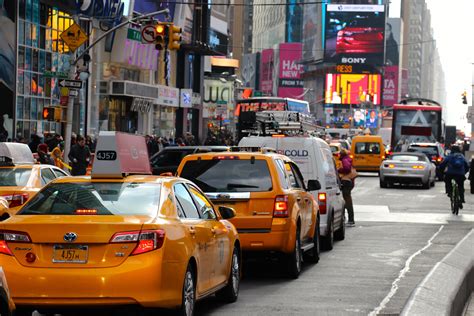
pixel 407 168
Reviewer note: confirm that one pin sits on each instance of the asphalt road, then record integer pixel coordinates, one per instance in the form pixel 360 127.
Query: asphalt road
pixel 400 234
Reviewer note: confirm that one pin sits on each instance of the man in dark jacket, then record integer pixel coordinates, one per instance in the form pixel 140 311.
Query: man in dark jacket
pixel 347 182
pixel 457 168
pixel 471 176
pixel 79 157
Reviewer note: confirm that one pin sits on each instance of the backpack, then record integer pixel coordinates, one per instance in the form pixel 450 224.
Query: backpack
pixel 458 162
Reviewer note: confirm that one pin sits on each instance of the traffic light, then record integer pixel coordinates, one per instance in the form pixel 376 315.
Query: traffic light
pixel 174 37
pixel 48 114
pixel 210 125
pixel 58 114
pixel 464 97
pixel 160 41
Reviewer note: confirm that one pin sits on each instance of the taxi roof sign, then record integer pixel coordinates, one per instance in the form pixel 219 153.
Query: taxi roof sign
pixel 15 154
pixel 118 154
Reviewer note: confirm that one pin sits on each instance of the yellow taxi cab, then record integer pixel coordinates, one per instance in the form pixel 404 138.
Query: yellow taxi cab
pixel 120 237
pixel 367 152
pixel 20 176
pixel 275 212
pixel 336 153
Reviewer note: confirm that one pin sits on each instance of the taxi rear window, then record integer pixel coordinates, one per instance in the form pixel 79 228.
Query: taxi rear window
pixel 96 198
pixel 226 175
pixel 15 177
pixel 367 148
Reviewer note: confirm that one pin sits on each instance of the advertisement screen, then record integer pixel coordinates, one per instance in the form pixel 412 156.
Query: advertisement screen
pixel 290 83
pixel 352 88
pixel 371 119
pixel 390 86
pixel 354 34
pixel 359 117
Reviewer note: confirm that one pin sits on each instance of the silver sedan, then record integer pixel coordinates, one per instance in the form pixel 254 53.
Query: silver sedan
pixel 407 168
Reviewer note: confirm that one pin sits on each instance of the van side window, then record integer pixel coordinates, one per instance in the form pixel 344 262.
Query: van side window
pixel 296 180
pixel 280 166
pixel 367 148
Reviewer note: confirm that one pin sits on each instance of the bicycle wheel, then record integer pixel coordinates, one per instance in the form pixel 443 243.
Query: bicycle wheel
pixel 456 200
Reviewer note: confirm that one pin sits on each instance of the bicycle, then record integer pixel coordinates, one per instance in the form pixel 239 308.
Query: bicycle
pixel 455 198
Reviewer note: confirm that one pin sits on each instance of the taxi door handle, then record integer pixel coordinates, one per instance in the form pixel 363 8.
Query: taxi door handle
pixel 192 231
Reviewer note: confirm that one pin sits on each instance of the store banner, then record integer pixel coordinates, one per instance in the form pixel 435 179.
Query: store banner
pixel 290 82
pixel 390 86
pixel 186 98
pixel 217 93
pixel 168 96
pixel 266 71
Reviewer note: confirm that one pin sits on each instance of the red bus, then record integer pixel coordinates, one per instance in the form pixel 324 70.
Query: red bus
pixel 416 120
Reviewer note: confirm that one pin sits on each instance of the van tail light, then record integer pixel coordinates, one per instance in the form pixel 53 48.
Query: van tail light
pixel 11 236
pixel 16 199
pixel 147 240
pixel 322 203
pixel 281 206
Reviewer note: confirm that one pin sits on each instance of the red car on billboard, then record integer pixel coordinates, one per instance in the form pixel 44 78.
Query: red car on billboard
pixel 360 36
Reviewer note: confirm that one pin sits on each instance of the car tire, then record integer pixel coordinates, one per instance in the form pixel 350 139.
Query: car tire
pixel 295 258
pixel 433 183
pixel 328 240
pixel 340 234
pixel 188 293
pixel 312 255
pixel 426 185
pixel 230 292
pixel 383 184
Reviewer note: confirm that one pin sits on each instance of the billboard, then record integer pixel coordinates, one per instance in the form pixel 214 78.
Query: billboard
pixel 290 84
pixel 352 88
pixel 354 34
pixel 392 42
pixel 311 40
pixel 371 119
pixel 294 19
pixel 249 70
pixel 267 65
pixel 390 85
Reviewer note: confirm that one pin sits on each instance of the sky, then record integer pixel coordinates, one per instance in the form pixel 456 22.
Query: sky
pixel 452 24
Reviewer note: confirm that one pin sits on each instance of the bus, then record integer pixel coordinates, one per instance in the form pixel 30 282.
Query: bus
pixel 259 104
pixel 416 120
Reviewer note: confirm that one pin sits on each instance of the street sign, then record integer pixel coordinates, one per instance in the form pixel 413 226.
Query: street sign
pixel 73 93
pixel 55 74
pixel 148 34
pixel 71 84
pixel 74 36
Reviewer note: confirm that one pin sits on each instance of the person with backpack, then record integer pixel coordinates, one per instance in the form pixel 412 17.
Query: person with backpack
pixel 456 168
pixel 347 173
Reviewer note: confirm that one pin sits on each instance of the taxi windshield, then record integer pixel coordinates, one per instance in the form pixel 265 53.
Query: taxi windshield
pixel 95 198
pixel 14 177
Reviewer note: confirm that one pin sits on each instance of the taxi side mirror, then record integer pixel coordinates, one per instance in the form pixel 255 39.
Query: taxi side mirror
pixel 313 185
pixel 226 212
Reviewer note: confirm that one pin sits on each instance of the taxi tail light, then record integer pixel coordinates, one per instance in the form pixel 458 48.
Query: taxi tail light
pixel 225 157
pixel 352 156
pixel 322 203
pixel 418 167
pixel 11 236
pixel 16 199
pixel 149 240
pixel 280 208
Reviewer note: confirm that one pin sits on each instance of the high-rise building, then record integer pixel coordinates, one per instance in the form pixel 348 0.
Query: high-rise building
pixel 269 23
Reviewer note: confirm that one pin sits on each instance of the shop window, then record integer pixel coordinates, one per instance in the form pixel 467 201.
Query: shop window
pixel 27 82
pixel 27 58
pixel 20 81
pixel 19 128
pixel 34 84
pixel 35 62
pixel 21 32
pixel 26 109
pixel 19 107
pixel 40 109
pixel 34 35
pixel 28 9
pixel 22 9
pixel 27 33
pixel 42 63
pixel 34 109
pixel 48 61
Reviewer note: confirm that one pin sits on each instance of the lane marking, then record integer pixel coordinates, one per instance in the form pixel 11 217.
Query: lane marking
pixel 402 274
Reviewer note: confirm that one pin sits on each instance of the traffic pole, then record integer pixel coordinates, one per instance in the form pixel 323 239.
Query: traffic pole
pixel 69 114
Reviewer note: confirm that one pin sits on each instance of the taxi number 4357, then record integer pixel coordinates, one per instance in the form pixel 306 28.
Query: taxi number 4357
pixel 106 155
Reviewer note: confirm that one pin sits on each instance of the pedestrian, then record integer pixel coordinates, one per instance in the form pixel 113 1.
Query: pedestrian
pixel 471 175
pixel 33 144
pixel 79 157
pixel 90 143
pixel 347 173
pixel 457 168
pixel 43 155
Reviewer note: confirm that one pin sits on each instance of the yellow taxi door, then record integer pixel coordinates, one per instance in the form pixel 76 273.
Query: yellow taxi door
pixel 220 243
pixel 199 232
pixel 301 198
pixel 375 152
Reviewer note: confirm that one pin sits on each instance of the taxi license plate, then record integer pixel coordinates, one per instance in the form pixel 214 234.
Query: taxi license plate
pixel 70 253
pixel 402 171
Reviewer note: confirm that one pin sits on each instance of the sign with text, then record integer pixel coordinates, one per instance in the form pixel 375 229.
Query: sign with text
pixel 390 86
pixel 352 88
pixel 290 84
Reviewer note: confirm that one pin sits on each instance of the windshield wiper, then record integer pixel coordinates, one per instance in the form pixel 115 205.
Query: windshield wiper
pixel 238 185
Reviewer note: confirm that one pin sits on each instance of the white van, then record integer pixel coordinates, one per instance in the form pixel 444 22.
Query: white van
pixel 315 161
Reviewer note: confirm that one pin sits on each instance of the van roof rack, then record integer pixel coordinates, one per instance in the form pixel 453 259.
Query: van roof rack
pixel 253 149
pixel 267 123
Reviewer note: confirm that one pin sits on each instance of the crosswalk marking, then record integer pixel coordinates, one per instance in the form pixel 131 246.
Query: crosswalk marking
pixel 381 213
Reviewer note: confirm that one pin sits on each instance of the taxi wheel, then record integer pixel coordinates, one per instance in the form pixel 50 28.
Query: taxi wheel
pixel 328 240
pixel 230 293
pixel 312 255
pixel 295 258
pixel 426 185
pixel 340 234
pixel 188 298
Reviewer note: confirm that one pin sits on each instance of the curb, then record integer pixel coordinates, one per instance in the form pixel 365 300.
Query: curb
pixel 447 287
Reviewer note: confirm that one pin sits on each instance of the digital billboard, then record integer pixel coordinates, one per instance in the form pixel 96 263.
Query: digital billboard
pixel 390 86
pixel 371 119
pixel 352 88
pixel 354 34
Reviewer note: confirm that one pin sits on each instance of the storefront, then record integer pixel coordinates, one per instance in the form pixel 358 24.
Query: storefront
pixel 164 116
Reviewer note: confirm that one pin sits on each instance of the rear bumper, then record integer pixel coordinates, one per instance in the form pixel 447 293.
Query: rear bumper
pixel 368 168
pixel 278 238
pixel 405 179
pixel 140 280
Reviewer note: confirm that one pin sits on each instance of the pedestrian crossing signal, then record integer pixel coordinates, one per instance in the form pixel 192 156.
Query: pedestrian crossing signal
pixel 174 37
pixel 160 41
pixel 464 98
pixel 48 114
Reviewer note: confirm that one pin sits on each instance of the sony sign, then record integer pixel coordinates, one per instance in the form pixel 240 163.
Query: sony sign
pixel 111 10
pixel 353 60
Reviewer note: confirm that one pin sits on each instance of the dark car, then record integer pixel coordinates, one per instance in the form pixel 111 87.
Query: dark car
pixel 168 159
pixel 434 152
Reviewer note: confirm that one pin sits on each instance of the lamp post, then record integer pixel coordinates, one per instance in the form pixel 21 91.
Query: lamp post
pixel 74 60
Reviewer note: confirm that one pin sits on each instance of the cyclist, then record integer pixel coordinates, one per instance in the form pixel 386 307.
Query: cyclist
pixel 457 168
